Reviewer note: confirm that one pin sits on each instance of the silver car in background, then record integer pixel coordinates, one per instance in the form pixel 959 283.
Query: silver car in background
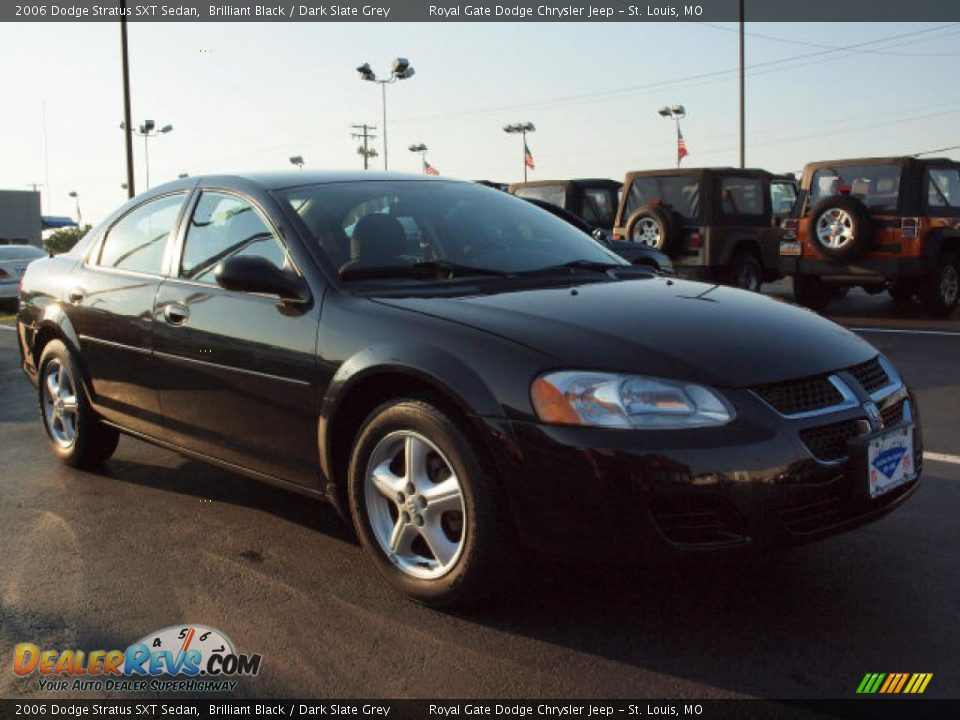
pixel 13 263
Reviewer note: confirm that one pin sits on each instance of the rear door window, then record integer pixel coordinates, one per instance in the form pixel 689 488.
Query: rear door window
pixel 876 186
pixel 681 194
pixel 783 198
pixel 137 242
pixel 553 194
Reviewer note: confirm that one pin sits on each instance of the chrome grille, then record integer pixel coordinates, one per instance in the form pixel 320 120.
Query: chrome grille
pixel 800 396
pixel 870 375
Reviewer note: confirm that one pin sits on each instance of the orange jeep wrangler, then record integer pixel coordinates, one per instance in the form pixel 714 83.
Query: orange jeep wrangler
pixel 879 223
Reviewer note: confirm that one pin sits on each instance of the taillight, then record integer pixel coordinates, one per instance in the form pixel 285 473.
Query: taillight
pixel 908 227
pixel 790 227
pixel 696 240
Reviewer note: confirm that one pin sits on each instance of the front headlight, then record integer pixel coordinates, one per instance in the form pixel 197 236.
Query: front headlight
pixel 626 401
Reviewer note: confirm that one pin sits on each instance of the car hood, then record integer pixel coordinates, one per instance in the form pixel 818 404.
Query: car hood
pixel 658 326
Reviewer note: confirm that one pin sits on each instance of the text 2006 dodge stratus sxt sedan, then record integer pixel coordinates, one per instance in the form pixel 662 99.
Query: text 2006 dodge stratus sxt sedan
pixel 459 371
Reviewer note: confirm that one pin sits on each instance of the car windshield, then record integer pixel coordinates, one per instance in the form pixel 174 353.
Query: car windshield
pixel 681 194
pixel 20 252
pixel 876 186
pixel 430 230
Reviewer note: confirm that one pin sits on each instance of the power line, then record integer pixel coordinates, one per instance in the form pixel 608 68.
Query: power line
pixel 938 150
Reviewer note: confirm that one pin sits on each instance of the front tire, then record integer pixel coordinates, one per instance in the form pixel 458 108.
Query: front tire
pixel 940 291
pixel 73 430
pixel 425 505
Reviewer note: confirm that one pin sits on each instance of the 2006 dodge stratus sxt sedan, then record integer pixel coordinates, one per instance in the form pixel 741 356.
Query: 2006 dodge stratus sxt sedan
pixel 459 371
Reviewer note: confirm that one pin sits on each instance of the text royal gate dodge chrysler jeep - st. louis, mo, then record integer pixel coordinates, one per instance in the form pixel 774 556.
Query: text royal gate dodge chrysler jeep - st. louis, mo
pixel 439 360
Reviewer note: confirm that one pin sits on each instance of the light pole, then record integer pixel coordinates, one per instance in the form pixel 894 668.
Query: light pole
pixel 523 129
pixel 401 69
pixel 148 130
pixel 76 197
pixel 298 161
pixel 676 112
pixel 743 94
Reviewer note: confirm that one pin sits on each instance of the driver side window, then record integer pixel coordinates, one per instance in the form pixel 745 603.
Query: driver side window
pixel 225 226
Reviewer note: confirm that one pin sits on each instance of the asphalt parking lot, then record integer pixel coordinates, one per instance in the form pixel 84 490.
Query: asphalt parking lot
pixel 99 560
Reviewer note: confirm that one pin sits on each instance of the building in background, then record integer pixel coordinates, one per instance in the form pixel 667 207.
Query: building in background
pixel 20 220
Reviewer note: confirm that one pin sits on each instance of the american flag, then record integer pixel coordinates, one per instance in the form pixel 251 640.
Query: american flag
pixel 528 157
pixel 429 169
pixel 681 146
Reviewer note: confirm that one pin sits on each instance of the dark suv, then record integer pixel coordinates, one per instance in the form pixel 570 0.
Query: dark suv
pixel 594 200
pixel 881 223
pixel 714 223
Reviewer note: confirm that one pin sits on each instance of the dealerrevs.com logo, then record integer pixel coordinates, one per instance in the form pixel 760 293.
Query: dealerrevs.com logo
pixel 180 658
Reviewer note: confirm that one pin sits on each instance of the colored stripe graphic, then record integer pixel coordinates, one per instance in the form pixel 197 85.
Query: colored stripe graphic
pixel 894 683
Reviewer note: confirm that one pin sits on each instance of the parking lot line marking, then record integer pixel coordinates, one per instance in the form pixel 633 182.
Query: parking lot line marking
pixel 941 457
pixel 9 327
pixel 906 332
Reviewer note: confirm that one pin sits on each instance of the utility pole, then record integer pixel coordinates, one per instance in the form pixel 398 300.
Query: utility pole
pixel 743 101
pixel 363 133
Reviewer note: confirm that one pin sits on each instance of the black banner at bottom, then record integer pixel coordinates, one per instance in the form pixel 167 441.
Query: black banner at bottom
pixel 855 709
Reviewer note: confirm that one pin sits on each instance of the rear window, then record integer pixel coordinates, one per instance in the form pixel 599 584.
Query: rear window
pixel 876 186
pixel 599 206
pixel 20 252
pixel 682 194
pixel 553 194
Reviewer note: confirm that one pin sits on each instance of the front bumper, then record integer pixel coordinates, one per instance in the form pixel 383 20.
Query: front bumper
pixel 626 495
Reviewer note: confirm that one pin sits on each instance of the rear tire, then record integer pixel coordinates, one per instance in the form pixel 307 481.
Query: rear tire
pixel 940 290
pixel 839 228
pixel 811 292
pixel 654 226
pixel 437 542
pixel 74 432
pixel 745 272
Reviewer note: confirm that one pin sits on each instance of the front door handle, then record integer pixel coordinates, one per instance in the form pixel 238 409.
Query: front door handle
pixel 176 314
pixel 75 296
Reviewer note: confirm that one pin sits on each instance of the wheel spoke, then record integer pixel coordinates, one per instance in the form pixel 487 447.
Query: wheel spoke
pixel 415 460
pixel 402 537
pixel 440 546
pixel 53 387
pixel 388 484
pixel 443 497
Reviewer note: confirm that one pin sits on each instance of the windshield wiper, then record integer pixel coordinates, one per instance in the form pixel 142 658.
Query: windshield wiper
pixel 577 265
pixel 424 269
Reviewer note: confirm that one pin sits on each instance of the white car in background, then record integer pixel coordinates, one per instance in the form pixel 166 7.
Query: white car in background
pixel 13 263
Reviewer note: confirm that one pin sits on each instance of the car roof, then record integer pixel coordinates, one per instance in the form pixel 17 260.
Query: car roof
pixel 281 179
pixel 596 182
pixel 691 172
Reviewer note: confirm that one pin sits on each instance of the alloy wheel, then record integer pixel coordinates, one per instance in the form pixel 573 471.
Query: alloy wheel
pixel 647 232
pixel 60 404
pixel 949 285
pixel 415 505
pixel 835 228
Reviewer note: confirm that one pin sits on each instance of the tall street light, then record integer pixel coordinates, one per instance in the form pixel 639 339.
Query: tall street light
pixel 677 112
pixel 743 94
pixel 401 69
pixel 76 197
pixel 298 161
pixel 522 129
pixel 148 130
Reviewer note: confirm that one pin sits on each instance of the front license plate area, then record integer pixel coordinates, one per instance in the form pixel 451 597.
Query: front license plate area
pixel 890 460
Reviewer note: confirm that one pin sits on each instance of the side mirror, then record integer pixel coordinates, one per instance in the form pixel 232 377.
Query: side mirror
pixel 259 275
pixel 601 236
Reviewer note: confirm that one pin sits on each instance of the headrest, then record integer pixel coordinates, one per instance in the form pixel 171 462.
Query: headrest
pixel 377 239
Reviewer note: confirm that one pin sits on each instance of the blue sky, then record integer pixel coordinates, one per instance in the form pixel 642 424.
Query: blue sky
pixel 245 96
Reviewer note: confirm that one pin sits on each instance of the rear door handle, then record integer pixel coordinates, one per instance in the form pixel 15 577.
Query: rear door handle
pixel 176 314
pixel 76 296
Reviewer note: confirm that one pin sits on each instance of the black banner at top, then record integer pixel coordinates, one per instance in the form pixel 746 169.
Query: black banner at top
pixel 481 11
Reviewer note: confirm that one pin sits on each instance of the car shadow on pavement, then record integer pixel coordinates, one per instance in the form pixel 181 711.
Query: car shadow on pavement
pixel 200 480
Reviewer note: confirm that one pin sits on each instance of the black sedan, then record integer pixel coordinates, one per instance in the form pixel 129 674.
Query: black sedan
pixel 440 361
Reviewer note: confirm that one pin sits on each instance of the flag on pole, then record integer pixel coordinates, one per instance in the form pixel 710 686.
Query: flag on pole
pixel 429 169
pixel 681 146
pixel 528 157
